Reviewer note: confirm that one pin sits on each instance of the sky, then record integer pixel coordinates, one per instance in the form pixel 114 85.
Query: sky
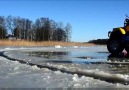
pixel 90 19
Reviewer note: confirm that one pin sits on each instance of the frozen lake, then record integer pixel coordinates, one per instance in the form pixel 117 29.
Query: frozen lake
pixel 67 67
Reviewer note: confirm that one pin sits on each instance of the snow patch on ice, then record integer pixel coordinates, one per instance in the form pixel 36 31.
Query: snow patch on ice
pixel 75 46
pixel 58 46
pixel 9 49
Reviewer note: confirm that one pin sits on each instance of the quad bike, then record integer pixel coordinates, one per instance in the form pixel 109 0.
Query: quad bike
pixel 119 38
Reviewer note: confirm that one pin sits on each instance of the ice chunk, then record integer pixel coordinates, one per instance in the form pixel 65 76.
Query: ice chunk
pixel 60 66
pixel 75 78
pixel 58 72
pixel 120 76
pixel 35 67
pixel 77 85
pixel 16 68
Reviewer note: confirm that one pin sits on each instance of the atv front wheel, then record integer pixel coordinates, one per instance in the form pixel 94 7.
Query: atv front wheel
pixel 114 46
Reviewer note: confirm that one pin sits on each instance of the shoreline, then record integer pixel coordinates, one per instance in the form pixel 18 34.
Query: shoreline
pixel 42 43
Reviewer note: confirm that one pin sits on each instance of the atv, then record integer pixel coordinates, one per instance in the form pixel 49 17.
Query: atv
pixel 119 38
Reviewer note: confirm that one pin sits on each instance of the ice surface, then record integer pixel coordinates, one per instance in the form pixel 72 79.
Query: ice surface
pixel 16 75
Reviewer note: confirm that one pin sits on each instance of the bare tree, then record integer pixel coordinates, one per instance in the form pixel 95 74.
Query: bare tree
pixel 68 30
pixel 28 29
pixel 17 27
pixel 61 34
pixel 43 29
pixel 9 23
pixel 53 26
pixel 37 28
pixel 3 31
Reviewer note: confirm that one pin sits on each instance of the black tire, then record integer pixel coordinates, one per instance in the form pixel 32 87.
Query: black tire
pixel 114 46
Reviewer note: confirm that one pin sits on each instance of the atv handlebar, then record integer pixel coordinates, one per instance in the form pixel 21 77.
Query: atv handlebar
pixel 109 33
pixel 126 22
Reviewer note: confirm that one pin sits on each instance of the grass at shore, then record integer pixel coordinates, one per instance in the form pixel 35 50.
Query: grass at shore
pixel 43 43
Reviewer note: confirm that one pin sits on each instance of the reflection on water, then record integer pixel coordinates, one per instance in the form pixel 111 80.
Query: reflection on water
pixel 119 63
pixel 118 58
pixel 116 63
pixel 64 57
pixel 48 55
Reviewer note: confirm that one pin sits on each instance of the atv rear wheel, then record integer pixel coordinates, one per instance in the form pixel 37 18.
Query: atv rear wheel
pixel 114 46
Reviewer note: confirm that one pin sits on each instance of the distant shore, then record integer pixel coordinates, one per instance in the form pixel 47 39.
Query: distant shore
pixel 42 43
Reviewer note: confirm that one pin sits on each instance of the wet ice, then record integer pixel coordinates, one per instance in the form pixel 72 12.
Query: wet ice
pixel 15 74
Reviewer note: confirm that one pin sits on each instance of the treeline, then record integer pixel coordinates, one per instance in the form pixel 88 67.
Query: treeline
pixel 42 29
pixel 99 41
